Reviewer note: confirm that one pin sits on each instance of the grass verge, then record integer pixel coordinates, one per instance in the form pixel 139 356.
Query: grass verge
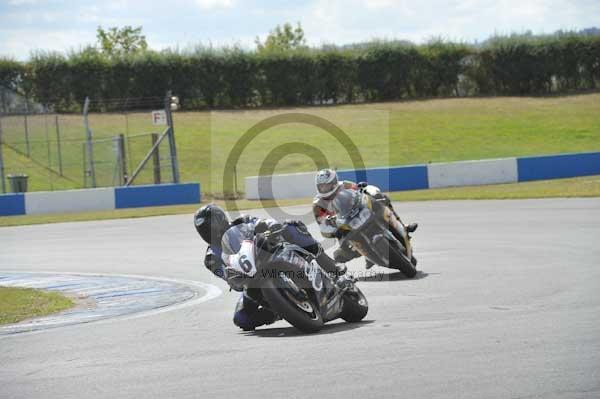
pixel 575 187
pixel 17 304
pixel 560 188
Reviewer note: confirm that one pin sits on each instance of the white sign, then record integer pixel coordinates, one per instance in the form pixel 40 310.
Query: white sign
pixel 159 117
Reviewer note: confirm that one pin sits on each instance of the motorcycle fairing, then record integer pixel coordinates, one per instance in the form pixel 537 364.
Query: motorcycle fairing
pixel 326 294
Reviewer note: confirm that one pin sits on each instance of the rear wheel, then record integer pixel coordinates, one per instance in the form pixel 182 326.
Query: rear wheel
pixel 299 312
pixel 355 306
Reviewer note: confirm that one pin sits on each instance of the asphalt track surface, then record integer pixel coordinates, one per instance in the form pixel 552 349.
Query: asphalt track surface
pixel 507 306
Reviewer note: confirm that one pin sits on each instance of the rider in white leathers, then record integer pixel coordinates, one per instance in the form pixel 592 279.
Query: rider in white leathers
pixel 328 186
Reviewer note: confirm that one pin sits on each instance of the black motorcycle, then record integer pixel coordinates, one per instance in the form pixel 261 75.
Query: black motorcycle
pixel 292 283
pixel 371 228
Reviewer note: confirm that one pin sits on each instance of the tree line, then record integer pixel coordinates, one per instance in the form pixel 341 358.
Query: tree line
pixel 206 78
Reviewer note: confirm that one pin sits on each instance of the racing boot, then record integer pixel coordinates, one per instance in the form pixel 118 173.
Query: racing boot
pixel 345 253
pixel 411 228
pixel 249 314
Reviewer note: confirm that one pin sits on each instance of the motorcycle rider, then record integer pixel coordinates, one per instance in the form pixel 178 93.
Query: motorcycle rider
pixel 328 186
pixel 211 224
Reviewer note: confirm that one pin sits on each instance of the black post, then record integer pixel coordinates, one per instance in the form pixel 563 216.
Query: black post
pixel 122 159
pixel 4 105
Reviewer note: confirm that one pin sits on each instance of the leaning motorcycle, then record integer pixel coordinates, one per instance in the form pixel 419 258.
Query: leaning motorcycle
pixel 371 228
pixel 292 283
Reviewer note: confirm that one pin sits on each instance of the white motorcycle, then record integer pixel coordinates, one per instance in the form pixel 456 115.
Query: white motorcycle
pixel 292 283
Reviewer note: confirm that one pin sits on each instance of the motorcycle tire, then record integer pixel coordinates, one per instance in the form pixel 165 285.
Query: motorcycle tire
pixel 401 262
pixel 280 304
pixel 355 306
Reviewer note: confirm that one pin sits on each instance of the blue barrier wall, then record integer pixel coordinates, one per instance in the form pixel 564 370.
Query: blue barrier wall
pixel 390 179
pixel 98 199
pixel 558 166
pixel 157 195
pixel 12 204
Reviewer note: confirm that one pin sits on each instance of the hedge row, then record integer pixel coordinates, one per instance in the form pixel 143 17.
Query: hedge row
pixel 379 71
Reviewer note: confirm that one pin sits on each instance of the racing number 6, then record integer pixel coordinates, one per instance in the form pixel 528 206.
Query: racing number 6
pixel 245 264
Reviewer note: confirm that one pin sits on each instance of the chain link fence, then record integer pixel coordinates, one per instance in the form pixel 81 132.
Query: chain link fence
pixel 109 144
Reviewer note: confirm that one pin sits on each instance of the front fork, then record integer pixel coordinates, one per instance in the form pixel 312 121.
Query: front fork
pixel 396 224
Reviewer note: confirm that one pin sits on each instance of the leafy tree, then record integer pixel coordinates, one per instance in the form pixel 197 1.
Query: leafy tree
pixel 117 42
pixel 11 72
pixel 283 38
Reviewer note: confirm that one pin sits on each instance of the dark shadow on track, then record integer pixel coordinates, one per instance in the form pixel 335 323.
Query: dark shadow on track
pixel 287 332
pixel 395 276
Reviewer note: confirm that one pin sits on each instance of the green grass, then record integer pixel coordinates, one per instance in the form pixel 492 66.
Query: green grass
pixel 574 187
pixel 17 304
pixel 39 176
pixel 560 188
pixel 386 134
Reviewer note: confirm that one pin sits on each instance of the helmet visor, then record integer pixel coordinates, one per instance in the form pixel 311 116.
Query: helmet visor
pixel 199 221
pixel 326 188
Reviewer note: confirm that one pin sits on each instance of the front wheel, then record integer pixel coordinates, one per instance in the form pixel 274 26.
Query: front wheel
pixel 302 314
pixel 401 262
pixel 355 306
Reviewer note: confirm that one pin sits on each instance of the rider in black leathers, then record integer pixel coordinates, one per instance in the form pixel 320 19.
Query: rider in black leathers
pixel 212 223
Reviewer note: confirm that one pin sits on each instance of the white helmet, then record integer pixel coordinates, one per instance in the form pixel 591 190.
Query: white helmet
pixel 327 183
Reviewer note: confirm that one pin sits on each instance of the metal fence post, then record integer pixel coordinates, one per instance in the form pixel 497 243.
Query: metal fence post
pixel 127 143
pixel 84 163
pixel 89 145
pixel 156 159
pixel 2 160
pixel 172 148
pixel 48 151
pixel 122 158
pixel 235 181
pixel 3 96
pixel 27 149
pixel 60 168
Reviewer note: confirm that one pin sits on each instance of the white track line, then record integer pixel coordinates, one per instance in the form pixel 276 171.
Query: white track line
pixel 211 292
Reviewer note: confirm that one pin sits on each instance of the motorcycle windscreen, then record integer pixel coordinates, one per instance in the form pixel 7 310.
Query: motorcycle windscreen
pixel 234 236
pixel 346 205
pixel 238 249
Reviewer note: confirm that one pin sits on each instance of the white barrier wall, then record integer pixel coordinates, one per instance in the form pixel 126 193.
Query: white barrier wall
pixel 434 175
pixel 472 173
pixel 96 199
pixel 295 185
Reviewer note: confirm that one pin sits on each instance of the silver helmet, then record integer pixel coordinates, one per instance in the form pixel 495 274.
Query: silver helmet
pixel 327 183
